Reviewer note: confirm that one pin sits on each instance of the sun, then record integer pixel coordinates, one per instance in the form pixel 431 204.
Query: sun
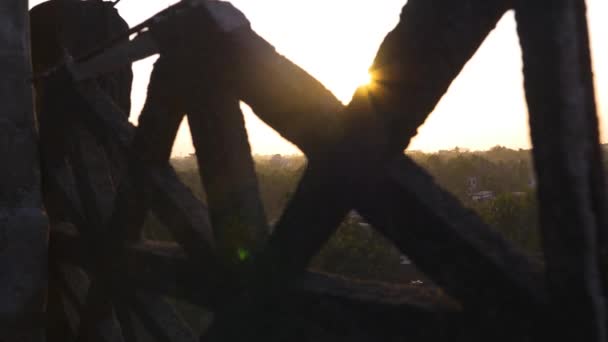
pixel 366 79
pixel 343 81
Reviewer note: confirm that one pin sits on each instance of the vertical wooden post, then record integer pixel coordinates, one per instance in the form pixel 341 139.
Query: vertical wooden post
pixel 563 123
pixel 23 223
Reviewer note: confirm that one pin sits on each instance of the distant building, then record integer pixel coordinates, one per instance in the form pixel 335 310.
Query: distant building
pixel 355 215
pixel 481 196
pixel 472 184
pixel 404 260
pixel 532 182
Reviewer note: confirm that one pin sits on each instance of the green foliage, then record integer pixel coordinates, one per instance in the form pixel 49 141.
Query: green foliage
pixel 357 249
pixel 498 170
pixel 507 173
pixel 515 216
pixel 277 183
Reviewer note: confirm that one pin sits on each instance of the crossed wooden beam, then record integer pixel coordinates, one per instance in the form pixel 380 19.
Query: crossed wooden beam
pixel 356 160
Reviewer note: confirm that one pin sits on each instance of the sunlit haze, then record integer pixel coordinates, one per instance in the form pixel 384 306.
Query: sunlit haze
pixel 336 41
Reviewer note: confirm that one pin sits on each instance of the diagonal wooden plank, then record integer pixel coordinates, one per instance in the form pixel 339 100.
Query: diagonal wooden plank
pixel 133 268
pixel 171 200
pixel 72 26
pixel 58 327
pixel 455 248
pixel 160 316
pixel 60 187
pixel 127 325
pixel 60 248
pixel 92 179
pixel 563 122
pixel 173 203
pixel 96 190
pixel 228 175
pixel 184 217
pixel 74 284
pixel 151 142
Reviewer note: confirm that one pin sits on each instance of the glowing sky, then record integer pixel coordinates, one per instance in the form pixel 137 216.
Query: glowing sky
pixel 336 41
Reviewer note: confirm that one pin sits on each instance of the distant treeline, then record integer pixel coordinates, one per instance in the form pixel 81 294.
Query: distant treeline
pixel 499 170
pixel 504 176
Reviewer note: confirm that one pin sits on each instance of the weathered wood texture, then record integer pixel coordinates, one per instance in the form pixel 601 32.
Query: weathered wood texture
pixel 102 239
pixel 563 123
pixel 93 180
pixel 151 143
pixel 23 223
pixel 228 176
pixel 78 26
pixel 172 201
pixel 72 27
pixel 58 327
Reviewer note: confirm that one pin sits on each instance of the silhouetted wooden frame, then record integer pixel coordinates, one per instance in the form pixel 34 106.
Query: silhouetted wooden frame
pixel 356 162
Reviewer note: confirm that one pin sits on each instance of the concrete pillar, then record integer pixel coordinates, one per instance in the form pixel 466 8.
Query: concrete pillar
pixel 23 222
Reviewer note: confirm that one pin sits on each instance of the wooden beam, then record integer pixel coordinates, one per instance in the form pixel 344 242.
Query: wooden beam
pixel 23 223
pixel 173 202
pixel 563 122
pixel 228 175
pixel 94 184
pixel 77 287
pixel 58 325
pixel 122 54
pixel 160 318
pixel 157 267
pixel 151 142
pixel 487 273
pixel 163 268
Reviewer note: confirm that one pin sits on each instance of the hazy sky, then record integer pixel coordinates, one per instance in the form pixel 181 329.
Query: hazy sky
pixel 336 41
